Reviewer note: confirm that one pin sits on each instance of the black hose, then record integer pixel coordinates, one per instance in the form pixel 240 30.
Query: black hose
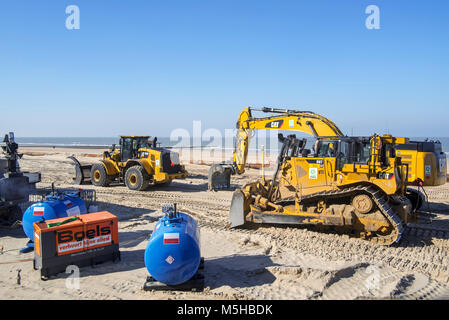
pixel 426 197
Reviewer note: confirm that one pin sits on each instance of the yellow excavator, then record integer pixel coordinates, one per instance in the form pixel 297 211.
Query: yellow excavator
pixel 355 184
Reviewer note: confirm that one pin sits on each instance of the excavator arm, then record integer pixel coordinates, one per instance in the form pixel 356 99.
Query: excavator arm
pixel 277 119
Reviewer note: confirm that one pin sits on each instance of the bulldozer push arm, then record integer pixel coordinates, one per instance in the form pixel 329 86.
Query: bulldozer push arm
pixel 278 119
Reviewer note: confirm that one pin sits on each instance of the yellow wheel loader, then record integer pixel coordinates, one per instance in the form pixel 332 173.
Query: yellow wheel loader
pixel 137 162
pixel 354 184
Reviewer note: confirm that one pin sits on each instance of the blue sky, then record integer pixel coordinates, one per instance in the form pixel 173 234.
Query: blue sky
pixel 147 67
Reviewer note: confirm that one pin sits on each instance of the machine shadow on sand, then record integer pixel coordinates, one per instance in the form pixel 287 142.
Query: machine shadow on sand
pixel 173 187
pixel 126 213
pixel 130 260
pixel 227 271
pixel 406 241
pixel 441 208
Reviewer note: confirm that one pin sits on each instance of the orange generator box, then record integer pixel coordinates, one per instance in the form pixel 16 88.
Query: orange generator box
pixel 87 239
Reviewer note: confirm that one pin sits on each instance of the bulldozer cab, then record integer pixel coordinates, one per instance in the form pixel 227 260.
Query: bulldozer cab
pixel 338 149
pixel 333 162
pixel 353 151
pixel 326 149
pixel 129 147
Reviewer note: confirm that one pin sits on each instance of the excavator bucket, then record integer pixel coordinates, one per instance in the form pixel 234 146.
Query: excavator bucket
pixel 219 176
pixel 82 172
pixel 236 213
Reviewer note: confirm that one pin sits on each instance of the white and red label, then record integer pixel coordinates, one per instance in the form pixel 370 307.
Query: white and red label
pixel 68 203
pixel 73 211
pixel 83 244
pixel 171 238
pixel 170 260
pixel 38 211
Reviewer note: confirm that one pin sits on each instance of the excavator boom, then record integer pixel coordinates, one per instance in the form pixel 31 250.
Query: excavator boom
pixel 277 119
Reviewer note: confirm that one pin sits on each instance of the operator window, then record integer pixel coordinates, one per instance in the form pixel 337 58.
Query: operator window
pixel 362 152
pixel 343 154
pixel 126 151
pixel 327 149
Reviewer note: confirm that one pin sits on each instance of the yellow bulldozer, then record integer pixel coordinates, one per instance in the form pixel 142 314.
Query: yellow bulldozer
pixel 354 184
pixel 138 162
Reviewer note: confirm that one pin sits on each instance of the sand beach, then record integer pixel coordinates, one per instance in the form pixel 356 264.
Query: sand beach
pixel 262 262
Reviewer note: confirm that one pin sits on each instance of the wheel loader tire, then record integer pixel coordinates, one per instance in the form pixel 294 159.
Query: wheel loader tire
pixel 136 178
pixel 98 175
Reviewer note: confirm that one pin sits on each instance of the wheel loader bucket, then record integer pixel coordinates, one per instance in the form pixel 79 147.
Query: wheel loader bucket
pixel 82 172
pixel 219 176
pixel 237 213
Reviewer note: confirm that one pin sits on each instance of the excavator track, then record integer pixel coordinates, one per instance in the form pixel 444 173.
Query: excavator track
pixel 378 197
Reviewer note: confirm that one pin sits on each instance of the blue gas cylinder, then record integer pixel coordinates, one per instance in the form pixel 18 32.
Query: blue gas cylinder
pixel 173 253
pixel 55 206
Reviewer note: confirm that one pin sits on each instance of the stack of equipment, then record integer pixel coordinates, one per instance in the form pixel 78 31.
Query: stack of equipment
pixel 15 185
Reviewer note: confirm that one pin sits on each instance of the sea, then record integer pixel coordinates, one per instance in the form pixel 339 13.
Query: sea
pixel 270 143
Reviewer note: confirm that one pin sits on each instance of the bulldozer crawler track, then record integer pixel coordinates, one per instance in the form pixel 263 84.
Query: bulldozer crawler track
pixel 377 196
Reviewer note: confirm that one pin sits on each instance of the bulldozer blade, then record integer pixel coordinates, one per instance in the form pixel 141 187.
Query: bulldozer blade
pixel 82 172
pixel 219 176
pixel 236 213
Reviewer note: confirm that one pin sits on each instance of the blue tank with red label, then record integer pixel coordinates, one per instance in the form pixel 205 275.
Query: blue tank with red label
pixel 173 253
pixel 55 206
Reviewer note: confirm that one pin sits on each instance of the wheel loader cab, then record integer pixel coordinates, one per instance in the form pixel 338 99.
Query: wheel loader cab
pixel 129 147
pixel 125 149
